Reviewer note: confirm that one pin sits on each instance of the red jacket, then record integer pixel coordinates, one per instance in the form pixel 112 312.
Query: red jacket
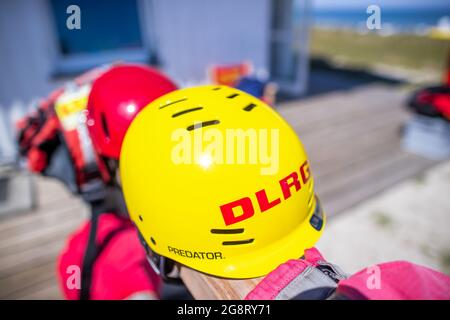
pixel 121 268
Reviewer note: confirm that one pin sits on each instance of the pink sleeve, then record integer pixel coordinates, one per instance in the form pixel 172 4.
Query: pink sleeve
pixel 398 280
pixel 284 274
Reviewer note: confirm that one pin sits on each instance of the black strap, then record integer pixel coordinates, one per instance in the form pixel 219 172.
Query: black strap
pixel 99 202
pixel 91 252
pixel 94 249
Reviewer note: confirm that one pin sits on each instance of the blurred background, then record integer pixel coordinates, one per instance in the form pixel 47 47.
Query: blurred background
pixel 346 86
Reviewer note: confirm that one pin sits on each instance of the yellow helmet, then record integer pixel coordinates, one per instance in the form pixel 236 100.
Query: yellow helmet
pixel 216 180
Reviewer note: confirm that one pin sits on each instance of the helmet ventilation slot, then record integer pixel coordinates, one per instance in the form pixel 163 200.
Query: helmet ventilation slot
pixel 105 125
pixel 202 124
pixel 186 111
pixel 172 102
pixel 250 107
pixel 227 231
pixel 234 243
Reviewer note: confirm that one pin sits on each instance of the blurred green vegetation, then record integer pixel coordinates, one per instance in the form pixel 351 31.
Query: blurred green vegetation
pixel 445 261
pixel 382 219
pixel 362 50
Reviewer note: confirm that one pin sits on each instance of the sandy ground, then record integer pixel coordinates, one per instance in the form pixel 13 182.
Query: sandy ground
pixel 409 221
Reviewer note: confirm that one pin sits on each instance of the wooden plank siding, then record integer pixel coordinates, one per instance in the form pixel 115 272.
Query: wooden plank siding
pixel 353 143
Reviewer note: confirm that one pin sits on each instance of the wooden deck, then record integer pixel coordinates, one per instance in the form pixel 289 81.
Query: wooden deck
pixel 353 142
pixel 30 242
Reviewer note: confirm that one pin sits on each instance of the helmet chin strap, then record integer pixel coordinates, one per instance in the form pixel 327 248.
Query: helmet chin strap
pixel 166 268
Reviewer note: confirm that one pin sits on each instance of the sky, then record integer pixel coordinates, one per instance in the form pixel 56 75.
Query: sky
pixel 356 4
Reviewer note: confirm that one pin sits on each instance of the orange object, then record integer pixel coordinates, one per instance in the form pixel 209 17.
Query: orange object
pixel 229 75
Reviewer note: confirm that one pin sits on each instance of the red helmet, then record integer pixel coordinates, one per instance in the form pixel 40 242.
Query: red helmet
pixel 116 98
